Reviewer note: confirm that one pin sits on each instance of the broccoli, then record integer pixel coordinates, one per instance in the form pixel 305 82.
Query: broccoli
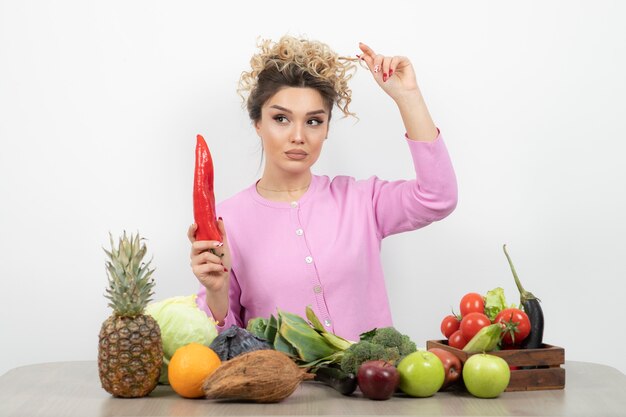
pixel 364 351
pixel 390 337
pixel 385 343
pixel 407 346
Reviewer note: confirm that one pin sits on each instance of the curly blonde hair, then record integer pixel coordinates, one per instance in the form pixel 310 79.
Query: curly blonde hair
pixel 296 62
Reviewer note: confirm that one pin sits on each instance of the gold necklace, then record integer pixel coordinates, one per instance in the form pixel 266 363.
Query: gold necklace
pixel 282 191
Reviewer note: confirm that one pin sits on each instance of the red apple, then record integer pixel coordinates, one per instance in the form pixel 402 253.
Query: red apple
pixel 378 380
pixel 451 364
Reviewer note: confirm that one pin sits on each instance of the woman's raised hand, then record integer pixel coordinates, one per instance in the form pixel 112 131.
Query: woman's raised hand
pixel 394 74
pixel 210 260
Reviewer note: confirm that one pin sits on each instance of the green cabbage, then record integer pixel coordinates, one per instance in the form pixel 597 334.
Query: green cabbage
pixel 495 302
pixel 181 323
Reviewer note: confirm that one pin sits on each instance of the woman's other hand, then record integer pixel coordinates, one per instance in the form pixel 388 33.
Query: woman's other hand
pixel 210 260
pixel 394 74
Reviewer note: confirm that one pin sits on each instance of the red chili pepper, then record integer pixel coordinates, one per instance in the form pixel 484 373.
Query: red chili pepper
pixel 203 197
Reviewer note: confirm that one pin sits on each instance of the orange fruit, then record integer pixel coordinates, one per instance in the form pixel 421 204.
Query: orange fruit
pixel 189 367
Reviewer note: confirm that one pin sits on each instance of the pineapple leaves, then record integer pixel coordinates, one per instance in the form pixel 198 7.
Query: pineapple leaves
pixel 130 284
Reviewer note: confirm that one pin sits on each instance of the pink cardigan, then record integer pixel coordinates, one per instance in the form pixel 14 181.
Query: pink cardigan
pixel 324 249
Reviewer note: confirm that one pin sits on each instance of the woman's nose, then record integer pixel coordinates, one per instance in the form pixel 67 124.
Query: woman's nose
pixel 297 136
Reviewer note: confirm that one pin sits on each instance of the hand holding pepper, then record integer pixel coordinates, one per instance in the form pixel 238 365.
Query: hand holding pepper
pixel 210 256
pixel 210 260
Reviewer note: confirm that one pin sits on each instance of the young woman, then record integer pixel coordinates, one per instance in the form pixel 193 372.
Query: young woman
pixel 294 238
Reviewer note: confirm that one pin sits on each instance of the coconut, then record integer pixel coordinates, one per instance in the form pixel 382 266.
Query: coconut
pixel 263 376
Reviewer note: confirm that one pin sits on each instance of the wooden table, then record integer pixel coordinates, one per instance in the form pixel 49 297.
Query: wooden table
pixel 73 389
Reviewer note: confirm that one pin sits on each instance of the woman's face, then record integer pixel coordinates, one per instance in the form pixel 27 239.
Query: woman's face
pixel 293 127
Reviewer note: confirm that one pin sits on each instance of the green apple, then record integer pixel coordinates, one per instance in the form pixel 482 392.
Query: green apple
pixel 421 374
pixel 486 376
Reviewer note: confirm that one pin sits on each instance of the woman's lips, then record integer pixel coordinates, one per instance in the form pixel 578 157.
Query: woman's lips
pixel 295 155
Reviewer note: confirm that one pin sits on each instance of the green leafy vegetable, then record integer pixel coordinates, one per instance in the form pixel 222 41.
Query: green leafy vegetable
pixel 306 341
pixel 495 302
pixel 385 343
pixel 364 351
pixel 257 327
pixel 311 345
pixel 181 323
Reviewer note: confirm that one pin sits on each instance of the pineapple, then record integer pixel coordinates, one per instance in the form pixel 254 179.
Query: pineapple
pixel 130 352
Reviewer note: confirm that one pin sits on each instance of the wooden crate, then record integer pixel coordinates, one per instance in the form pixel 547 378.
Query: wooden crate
pixel 548 359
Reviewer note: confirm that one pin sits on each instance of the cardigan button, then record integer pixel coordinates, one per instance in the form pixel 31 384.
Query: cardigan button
pixel 308 260
pixel 299 232
pixel 327 323
pixel 294 204
pixel 317 289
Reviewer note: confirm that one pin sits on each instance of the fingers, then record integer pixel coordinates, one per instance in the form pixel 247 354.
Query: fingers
pixel 207 265
pixel 200 246
pixel 367 56
pixel 191 232
pixel 204 258
pixel 367 50
pixel 378 63
pixel 393 64
pixel 381 66
pixel 208 270
pixel 373 60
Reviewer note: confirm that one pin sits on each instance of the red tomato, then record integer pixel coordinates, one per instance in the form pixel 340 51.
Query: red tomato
pixel 472 303
pixel 457 340
pixel 517 325
pixel 472 323
pixel 449 325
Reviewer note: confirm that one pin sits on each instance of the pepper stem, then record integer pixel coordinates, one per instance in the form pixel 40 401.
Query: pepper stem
pixel 523 294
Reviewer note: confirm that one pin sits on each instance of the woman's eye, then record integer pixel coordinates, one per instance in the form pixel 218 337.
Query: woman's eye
pixel 280 118
pixel 315 122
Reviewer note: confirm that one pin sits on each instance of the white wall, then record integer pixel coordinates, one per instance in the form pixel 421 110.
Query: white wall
pixel 100 103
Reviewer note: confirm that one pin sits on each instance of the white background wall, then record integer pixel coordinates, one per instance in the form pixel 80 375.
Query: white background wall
pixel 100 103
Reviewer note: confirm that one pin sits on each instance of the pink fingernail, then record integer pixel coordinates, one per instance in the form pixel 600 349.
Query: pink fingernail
pixel 376 68
pixel 225 269
pixel 390 72
pixel 384 77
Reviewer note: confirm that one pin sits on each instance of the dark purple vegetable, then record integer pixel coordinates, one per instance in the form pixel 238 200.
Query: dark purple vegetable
pixel 337 379
pixel 236 341
pixel 533 310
